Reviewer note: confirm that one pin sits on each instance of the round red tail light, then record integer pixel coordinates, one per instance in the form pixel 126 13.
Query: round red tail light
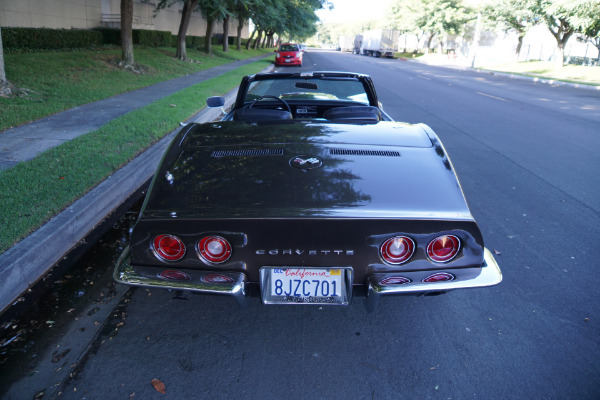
pixel 168 247
pixel 397 250
pixel 443 248
pixel 439 277
pixel 214 249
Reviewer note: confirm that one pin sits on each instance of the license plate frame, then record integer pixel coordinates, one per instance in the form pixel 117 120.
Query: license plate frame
pixel 339 279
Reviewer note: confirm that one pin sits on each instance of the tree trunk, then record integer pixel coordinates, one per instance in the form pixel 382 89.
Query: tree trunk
pixel 238 40
pixel 126 36
pixel 226 33
pixel 562 35
pixel 186 14
pixel 429 43
pixel 257 40
pixel 208 38
pixel 5 89
pixel 264 41
pixel 560 60
pixel 250 39
pixel 2 70
pixel 520 45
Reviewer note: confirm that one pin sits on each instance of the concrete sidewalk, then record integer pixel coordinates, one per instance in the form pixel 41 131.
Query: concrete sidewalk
pixel 26 262
pixel 27 141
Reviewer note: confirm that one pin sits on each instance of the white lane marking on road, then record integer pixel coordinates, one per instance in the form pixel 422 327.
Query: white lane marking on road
pixel 424 77
pixel 493 97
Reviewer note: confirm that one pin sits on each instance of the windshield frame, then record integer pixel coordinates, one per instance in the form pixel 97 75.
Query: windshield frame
pixel 314 77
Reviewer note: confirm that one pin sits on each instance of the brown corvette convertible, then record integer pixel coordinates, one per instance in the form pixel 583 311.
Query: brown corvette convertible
pixel 306 193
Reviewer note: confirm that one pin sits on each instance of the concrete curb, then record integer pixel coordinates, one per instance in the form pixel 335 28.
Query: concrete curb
pixel 24 264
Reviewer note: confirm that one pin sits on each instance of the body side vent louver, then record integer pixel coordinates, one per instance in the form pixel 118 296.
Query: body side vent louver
pixel 246 153
pixel 353 152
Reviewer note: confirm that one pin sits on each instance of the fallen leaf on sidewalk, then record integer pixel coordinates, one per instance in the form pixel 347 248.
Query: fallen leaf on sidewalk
pixel 159 386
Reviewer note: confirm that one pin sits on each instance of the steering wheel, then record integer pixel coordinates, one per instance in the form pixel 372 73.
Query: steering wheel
pixel 271 97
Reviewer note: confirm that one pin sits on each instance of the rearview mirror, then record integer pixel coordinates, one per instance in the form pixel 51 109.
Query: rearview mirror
pixel 306 85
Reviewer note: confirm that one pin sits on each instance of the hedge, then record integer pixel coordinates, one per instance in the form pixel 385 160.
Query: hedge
pixel 23 39
pixel 49 39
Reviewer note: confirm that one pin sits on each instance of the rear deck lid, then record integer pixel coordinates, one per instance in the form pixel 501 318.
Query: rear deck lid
pixel 233 170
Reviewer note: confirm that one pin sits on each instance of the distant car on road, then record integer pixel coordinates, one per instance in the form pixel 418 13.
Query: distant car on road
pixel 288 54
pixel 306 192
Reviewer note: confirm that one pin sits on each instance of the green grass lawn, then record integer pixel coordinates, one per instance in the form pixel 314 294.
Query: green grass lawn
pixel 51 82
pixel 548 70
pixel 34 191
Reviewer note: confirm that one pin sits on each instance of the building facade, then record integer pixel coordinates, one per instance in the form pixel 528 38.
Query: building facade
pixel 89 14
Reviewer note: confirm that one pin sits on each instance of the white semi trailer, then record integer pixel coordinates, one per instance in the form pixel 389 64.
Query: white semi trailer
pixel 380 42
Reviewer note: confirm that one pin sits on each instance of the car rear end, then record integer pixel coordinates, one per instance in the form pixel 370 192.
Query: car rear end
pixel 311 214
pixel 288 54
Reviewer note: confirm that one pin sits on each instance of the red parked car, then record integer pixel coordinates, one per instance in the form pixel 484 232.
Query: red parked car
pixel 288 54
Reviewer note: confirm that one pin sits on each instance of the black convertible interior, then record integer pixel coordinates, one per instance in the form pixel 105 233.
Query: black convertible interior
pixel 335 114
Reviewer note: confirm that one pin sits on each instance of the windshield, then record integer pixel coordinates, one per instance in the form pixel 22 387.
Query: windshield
pixel 288 47
pixel 302 88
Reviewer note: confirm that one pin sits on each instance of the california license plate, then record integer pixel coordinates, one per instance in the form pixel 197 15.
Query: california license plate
pixel 290 285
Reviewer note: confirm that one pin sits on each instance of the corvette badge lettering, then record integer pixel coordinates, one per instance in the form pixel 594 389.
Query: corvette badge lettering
pixel 299 252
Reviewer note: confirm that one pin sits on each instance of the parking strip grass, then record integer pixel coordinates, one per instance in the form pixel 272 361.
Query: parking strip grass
pixel 50 82
pixel 33 192
pixel 547 70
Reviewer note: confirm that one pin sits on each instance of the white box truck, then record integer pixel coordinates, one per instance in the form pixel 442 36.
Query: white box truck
pixel 346 43
pixel 380 42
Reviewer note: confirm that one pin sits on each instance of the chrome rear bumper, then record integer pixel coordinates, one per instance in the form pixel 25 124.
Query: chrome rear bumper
pixel 488 275
pixel 125 273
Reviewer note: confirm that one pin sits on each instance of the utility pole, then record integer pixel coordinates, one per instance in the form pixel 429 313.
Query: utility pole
pixel 476 39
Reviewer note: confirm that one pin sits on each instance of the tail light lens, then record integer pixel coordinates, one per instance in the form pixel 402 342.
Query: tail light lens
pixel 394 280
pixel 168 247
pixel 214 249
pixel 443 248
pixel 439 277
pixel 174 275
pixel 217 278
pixel 397 250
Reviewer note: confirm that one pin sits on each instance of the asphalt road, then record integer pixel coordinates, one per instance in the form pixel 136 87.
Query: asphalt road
pixel 527 157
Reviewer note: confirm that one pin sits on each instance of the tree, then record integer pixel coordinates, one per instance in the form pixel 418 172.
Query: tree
pixel 189 6
pixel 556 15
pixel 585 18
pixel 213 11
pixel 442 17
pixel 126 35
pixel 434 17
pixel 513 15
pixel 186 14
pixel 295 19
pixel 241 10
pixel 4 85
